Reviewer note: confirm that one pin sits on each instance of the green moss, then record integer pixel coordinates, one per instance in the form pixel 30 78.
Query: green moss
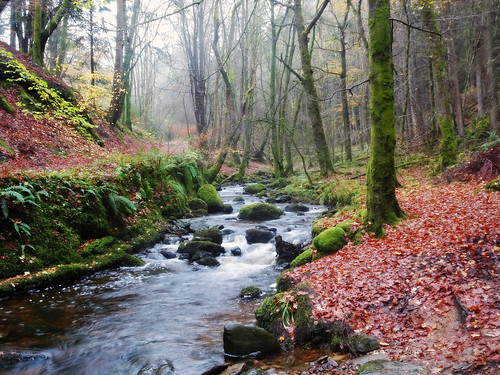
pixel 74 209
pixel 370 367
pixel 99 246
pixel 302 259
pixel 197 204
pixel 329 241
pixel 284 282
pixel 208 194
pixel 317 228
pixel 493 185
pixel 212 234
pixel 250 292
pixel 254 188
pixel 4 104
pixel 259 212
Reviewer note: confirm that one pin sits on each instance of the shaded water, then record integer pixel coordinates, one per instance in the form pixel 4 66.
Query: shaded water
pixel 164 318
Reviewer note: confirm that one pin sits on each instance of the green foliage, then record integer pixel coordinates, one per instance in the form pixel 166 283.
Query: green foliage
pixel 120 205
pixel 493 185
pixel 302 259
pixel 50 102
pixel 79 207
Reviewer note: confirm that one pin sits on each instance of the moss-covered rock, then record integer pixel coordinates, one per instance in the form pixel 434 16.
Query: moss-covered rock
pixel 212 234
pixel 361 343
pixel 254 188
pixel 294 307
pixel 284 282
pixel 244 340
pixel 209 194
pixel 97 247
pixel 383 367
pixel 303 258
pixel 259 212
pixel 329 241
pixel 192 247
pixel 317 228
pixel 197 205
pixel 250 292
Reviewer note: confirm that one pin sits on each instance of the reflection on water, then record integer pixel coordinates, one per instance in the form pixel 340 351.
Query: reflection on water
pixel 164 318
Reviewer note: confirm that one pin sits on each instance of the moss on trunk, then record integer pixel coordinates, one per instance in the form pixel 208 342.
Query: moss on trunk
pixel 382 204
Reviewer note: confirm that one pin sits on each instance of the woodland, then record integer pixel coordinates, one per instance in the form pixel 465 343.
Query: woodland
pixel 387 112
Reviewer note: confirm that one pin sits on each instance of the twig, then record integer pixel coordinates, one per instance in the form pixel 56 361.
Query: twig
pixel 415 27
pixel 346 89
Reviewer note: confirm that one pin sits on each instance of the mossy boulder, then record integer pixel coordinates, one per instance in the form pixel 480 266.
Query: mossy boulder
pixel 361 343
pixel 303 258
pixel 284 282
pixel 250 292
pixel 243 340
pixel 198 206
pixel 209 195
pixel 192 247
pixel 383 367
pixel 254 188
pixel 329 241
pixel 260 212
pixel 212 234
pixel 293 307
pixel 204 258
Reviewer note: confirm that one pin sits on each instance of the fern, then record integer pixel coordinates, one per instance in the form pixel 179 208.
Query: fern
pixel 121 206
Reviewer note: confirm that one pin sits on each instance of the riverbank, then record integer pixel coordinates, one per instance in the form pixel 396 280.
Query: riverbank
pixel 61 225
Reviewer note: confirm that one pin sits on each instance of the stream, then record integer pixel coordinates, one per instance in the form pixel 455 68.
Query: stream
pixel 166 317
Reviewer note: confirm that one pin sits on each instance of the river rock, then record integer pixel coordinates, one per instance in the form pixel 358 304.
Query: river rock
pixel 192 247
pixel 286 252
pixel 11 358
pixel 205 259
pixel 212 234
pixel 235 251
pixel 160 367
pixel 259 235
pixel 168 254
pixel 382 367
pixel 209 194
pixel 227 209
pixel 244 340
pixel 362 343
pixel 259 212
pixel 296 207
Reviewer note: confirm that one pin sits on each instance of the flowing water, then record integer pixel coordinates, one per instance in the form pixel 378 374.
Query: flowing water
pixel 164 318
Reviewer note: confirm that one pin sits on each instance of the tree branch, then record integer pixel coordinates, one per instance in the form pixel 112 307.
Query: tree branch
pixel 316 17
pixel 346 89
pixel 415 27
pixel 294 72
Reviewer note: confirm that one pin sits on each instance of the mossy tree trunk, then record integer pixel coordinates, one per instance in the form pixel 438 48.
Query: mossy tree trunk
pixel 442 103
pixel 382 205
pixel 307 80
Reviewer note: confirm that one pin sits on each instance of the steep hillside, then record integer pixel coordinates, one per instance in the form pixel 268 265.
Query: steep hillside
pixel 42 125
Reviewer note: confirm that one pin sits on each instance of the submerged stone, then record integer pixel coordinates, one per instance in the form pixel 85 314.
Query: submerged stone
pixel 243 340
pixel 259 235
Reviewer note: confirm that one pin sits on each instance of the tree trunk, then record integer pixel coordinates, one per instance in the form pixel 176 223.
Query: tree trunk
pixel 312 99
pixel 117 90
pixel 444 118
pixel 455 87
pixel 3 4
pixel 36 48
pixel 381 202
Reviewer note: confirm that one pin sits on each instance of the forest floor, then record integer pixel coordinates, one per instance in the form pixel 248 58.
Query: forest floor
pixel 429 289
